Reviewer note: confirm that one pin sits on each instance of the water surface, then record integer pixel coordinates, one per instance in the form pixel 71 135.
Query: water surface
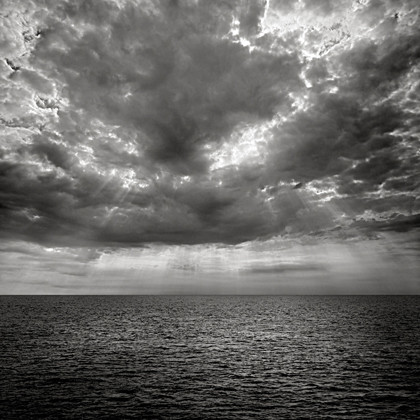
pixel 209 357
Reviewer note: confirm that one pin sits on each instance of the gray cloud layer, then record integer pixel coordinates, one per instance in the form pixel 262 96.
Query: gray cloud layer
pixel 192 122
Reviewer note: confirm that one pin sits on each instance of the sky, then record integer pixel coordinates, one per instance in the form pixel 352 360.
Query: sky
pixel 209 147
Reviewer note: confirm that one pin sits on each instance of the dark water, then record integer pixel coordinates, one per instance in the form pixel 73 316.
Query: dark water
pixel 209 357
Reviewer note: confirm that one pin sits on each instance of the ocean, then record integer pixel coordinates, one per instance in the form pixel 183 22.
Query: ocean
pixel 209 357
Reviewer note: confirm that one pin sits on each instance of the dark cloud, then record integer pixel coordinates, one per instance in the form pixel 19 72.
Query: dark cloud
pixel 284 268
pixel 53 153
pixel 175 81
pixel 194 122
pixel 395 222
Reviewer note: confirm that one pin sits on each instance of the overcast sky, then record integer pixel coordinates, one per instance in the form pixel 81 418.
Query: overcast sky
pixel 209 146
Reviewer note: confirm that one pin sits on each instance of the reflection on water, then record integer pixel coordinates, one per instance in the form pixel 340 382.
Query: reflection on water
pixel 209 357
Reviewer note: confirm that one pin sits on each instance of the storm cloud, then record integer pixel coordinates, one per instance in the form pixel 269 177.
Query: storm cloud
pixel 187 122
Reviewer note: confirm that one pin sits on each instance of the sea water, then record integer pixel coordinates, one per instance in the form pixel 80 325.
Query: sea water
pixel 209 357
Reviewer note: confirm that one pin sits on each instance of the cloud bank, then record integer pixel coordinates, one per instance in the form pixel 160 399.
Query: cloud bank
pixel 188 122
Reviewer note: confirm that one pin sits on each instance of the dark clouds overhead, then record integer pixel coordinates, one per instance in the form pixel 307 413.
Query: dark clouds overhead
pixel 127 122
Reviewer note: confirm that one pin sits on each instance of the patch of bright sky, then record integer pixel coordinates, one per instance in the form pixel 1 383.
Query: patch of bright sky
pixel 243 146
pixel 247 144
